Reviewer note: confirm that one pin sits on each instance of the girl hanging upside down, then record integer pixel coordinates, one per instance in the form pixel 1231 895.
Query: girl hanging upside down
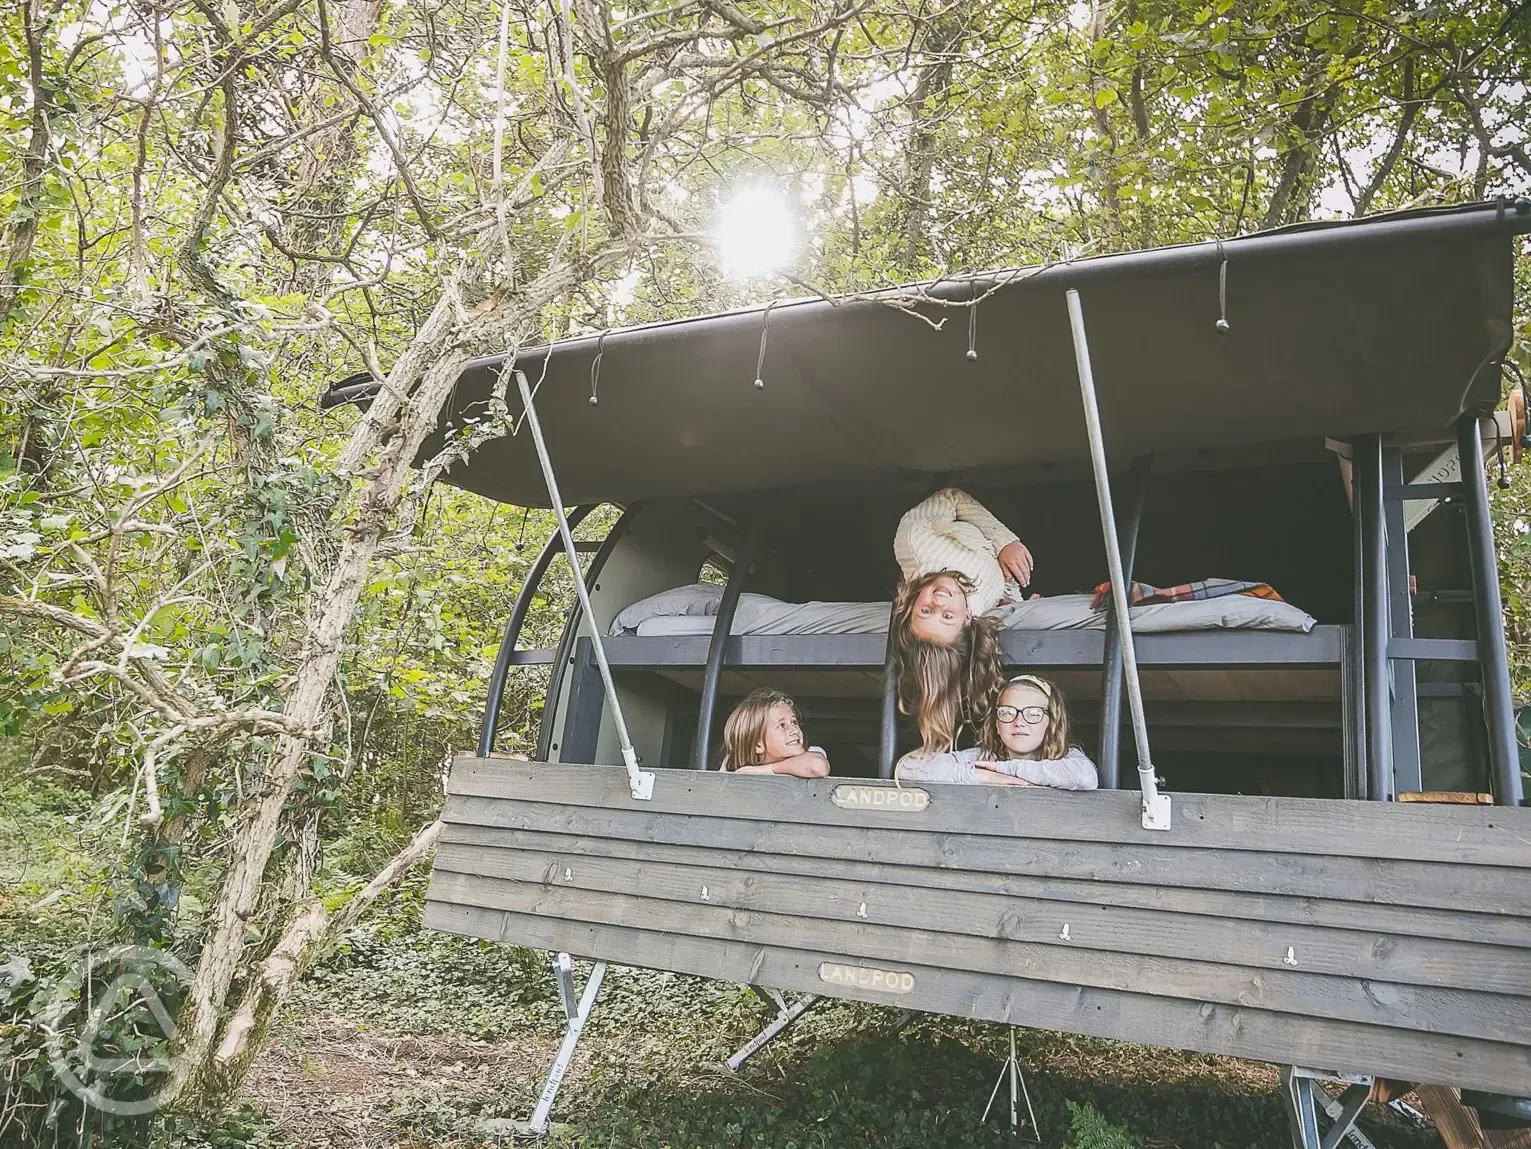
pixel 1025 742
pixel 764 736
pixel 958 563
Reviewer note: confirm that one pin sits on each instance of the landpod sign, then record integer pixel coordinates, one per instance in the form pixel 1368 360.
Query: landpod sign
pixel 866 977
pixel 905 799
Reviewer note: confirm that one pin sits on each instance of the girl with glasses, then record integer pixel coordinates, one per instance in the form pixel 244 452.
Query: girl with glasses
pixel 1025 743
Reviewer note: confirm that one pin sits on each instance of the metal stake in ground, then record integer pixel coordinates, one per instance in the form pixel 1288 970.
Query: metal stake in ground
pixel 1012 1070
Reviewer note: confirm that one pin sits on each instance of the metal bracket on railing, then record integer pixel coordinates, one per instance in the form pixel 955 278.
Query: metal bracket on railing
pixel 1156 806
pixel 640 782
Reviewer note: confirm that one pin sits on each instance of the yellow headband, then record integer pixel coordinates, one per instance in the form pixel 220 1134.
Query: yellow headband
pixel 1040 683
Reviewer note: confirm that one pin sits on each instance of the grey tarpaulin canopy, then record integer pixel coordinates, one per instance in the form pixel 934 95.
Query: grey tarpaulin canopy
pixel 1384 324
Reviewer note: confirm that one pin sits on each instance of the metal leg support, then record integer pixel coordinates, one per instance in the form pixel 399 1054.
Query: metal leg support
pixel 1018 1090
pixel 1343 1111
pixel 785 1016
pixel 1304 1100
pixel 563 974
pixel 538 1125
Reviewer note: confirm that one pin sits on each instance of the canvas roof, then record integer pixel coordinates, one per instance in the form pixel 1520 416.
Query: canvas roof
pixel 1383 324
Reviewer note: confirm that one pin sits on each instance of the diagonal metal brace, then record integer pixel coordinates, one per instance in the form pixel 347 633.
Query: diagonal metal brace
pixel 1345 1110
pixel 785 1016
pixel 537 1127
pixel 1156 806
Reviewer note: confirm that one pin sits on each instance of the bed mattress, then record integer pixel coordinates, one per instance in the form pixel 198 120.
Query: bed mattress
pixel 763 615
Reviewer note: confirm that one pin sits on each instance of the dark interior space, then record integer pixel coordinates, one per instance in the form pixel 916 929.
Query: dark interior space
pixel 1285 522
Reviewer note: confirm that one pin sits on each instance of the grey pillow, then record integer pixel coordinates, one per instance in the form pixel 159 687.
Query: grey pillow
pixel 699 598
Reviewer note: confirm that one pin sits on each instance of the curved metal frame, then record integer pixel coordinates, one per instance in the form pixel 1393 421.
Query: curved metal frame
pixel 717 648
pixel 571 628
pixel 523 605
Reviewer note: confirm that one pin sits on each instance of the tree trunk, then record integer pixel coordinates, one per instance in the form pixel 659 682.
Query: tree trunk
pixel 389 436
pixel 310 928
pixel 1289 198
pixel 26 216
pixel 326 168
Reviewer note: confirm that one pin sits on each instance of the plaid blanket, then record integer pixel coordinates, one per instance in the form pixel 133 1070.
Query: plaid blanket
pixel 1141 594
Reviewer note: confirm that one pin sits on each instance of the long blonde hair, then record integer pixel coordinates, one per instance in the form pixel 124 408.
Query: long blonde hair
pixel 1055 743
pixel 744 732
pixel 944 685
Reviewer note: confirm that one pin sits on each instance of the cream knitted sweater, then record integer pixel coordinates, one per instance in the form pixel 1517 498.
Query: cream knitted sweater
pixel 952 531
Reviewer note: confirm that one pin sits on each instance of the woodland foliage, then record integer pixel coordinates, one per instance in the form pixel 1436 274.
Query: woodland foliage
pixel 245 622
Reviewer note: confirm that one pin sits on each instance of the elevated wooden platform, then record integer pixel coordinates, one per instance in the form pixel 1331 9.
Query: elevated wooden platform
pixel 1368 937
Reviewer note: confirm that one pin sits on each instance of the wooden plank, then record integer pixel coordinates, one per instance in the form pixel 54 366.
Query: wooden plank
pixel 1448 797
pixel 1205 1027
pixel 1487 889
pixel 1462 835
pixel 1292 957
pixel 1457 1125
pixel 1409 921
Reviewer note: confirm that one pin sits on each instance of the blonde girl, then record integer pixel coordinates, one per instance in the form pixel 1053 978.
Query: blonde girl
pixel 985 564
pixel 1025 742
pixel 958 562
pixel 764 735
pixel 947 686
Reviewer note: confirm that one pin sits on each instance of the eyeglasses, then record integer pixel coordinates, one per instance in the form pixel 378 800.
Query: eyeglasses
pixel 1031 715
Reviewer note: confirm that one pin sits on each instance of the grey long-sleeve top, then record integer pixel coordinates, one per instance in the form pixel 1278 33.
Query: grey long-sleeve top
pixel 1074 771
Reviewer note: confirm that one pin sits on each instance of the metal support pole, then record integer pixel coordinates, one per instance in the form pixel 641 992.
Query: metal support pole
pixel 887 743
pixel 563 974
pixel 1376 682
pixel 717 650
pixel 1493 659
pixel 566 637
pixel 1156 806
pixel 1403 674
pixel 538 1125
pixel 1297 1092
pixel 1344 1112
pixel 550 550
pixel 1304 1100
pixel 1111 664
pixel 785 1016
pixel 640 782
